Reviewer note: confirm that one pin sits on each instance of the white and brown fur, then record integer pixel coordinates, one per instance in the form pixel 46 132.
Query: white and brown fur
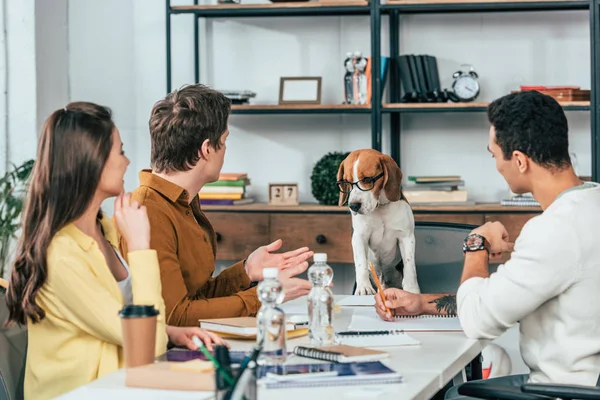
pixel 382 222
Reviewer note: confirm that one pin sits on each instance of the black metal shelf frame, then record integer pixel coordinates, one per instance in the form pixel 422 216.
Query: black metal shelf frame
pixel 375 10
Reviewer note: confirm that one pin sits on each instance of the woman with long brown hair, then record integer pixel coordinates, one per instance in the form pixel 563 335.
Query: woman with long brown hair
pixel 69 281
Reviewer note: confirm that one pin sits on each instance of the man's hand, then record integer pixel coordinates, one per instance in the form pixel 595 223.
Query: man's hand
pixel 182 336
pixel 263 257
pixel 497 236
pixel 294 287
pixel 399 302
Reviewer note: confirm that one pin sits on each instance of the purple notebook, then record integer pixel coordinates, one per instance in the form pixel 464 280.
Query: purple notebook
pixel 181 355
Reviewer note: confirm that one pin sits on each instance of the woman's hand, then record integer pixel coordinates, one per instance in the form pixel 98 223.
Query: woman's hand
pixel 182 336
pixel 132 222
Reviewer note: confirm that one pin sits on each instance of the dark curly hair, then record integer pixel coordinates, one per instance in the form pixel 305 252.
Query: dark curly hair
pixel 534 124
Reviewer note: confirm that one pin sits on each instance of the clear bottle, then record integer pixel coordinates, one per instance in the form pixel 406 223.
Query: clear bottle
pixel 270 320
pixel 320 302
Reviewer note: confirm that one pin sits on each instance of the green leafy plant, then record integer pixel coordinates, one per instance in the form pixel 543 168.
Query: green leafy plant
pixel 324 176
pixel 13 186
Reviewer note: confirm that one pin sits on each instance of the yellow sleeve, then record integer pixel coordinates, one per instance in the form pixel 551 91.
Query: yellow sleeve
pixel 81 298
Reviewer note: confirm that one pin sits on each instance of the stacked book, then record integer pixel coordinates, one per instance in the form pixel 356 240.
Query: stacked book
pixel 229 190
pixel 436 190
pixel 520 200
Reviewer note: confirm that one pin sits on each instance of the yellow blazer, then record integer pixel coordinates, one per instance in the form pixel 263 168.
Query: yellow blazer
pixel 80 338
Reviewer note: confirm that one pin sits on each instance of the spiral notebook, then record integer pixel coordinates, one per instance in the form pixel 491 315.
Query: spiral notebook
pixel 369 338
pixel 340 353
pixel 368 320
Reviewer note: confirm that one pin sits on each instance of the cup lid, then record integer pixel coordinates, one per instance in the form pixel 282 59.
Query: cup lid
pixel 137 311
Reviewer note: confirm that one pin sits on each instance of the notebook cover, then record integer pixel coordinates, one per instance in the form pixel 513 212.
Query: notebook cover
pixel 347 351
pixel 364 373
pixel 160 375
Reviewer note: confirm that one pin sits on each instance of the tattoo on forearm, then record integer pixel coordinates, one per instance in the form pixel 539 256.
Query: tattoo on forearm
pixel 446 304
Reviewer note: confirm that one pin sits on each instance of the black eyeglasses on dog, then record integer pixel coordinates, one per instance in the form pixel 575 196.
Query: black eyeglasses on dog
pixel 365 184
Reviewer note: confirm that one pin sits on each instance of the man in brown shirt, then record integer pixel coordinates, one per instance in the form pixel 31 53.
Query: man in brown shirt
pixel 188 132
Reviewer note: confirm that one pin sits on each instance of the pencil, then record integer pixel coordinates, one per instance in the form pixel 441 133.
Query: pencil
pixel 379 288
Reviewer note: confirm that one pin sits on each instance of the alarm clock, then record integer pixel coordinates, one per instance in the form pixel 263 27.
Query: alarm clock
pixel 466 85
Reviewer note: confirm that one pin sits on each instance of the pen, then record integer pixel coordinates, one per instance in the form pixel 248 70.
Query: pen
pixel 379 288
pixel 362 333
pixel 210 357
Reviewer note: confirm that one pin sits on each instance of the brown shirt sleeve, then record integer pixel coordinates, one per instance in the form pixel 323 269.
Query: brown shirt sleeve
pixel 219 297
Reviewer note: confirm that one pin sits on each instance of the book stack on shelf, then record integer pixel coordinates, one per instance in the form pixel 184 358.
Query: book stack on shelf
pixel 436 190
pixel 520 200
pixel 229 190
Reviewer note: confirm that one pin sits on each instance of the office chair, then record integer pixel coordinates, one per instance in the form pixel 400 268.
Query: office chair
pixel 530 391
pixel 13 350
pixel 439 260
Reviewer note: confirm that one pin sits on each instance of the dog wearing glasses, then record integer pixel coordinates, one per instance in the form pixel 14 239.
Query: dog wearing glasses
pixel 383 224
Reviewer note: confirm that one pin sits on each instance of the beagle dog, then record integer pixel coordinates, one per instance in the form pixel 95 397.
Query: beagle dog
pixel 382 221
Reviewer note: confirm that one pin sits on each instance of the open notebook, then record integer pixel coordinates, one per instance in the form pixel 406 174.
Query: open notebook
pixel 368 320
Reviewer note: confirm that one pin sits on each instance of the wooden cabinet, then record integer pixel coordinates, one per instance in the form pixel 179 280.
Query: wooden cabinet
pixel 331 234
pixel 239 234
pixel 328 229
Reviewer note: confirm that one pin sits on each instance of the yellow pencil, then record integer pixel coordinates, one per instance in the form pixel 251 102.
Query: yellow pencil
pixel 379 288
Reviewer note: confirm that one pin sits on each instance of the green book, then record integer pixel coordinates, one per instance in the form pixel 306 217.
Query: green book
pixel 241 182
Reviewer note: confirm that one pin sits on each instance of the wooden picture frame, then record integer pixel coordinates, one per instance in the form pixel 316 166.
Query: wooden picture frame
pixel 283 194
pixel 300 90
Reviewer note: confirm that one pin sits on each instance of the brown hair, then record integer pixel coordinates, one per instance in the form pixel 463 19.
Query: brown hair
pixel 181 122
pixel 73 148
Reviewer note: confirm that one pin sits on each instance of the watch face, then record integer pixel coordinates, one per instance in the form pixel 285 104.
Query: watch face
pixel 466 87
pixel 474 242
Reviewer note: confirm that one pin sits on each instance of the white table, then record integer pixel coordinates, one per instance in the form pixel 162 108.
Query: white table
pixel 425 368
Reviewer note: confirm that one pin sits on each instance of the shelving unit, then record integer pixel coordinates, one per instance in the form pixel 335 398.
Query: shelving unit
pixel 375 11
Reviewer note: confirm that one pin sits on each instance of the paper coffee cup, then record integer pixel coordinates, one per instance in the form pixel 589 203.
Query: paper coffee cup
pixel 138 323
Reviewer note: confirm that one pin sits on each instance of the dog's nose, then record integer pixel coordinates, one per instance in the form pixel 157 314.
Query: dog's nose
pixel 354 206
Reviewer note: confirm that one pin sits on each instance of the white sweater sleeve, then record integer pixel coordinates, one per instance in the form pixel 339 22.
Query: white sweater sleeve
pixel 542 265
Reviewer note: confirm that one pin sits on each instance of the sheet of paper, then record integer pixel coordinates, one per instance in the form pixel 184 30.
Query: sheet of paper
pixel 368 320
pixel 357 301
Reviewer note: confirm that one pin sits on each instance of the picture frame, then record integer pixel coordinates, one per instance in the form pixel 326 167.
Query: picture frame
pixel 300 90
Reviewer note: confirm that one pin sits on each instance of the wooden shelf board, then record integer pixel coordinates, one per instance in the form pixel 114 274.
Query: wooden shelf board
pixel 297 4
pixel 317 208
pixel 471 106
pixel 275 9
pixel 441 2
pixel 299 108
pixel 424 6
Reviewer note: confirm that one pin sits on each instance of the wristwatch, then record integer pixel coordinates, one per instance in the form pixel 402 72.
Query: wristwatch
pixel 476 242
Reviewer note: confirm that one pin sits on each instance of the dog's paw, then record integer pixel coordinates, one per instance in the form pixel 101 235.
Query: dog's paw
pixel 364 290
pixel 412 288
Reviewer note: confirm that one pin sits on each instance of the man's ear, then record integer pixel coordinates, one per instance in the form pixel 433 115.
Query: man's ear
pixel 205 149
pixel 522 161
pixel 392 178
pixel 340 175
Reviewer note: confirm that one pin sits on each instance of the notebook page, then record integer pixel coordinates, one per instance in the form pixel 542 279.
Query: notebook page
pixel 354 301
pixel 368 320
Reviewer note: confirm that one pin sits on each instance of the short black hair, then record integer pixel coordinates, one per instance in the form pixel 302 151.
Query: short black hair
pixel 534 124
pixel 181 122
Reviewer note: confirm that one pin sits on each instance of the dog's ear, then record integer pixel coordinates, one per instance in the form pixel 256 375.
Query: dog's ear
pixel 392 178
pixel 340 176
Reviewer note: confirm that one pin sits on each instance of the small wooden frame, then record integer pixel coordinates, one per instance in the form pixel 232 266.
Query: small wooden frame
pixel 300 90
pixel 283 194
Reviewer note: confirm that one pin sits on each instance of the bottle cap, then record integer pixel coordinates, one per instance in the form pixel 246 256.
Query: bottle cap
pixel 320 257
pixel 270 273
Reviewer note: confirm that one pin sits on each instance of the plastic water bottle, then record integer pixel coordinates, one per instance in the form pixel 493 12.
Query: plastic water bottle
pixel 270 320
pixel 320 302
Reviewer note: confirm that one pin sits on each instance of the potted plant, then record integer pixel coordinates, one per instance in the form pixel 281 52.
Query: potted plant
pixel 13 186
pixel 324 176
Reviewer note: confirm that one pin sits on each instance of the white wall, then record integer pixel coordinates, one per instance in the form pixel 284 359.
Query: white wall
pixel 117 57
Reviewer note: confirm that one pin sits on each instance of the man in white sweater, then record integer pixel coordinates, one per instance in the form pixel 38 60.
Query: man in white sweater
pixel 551 284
